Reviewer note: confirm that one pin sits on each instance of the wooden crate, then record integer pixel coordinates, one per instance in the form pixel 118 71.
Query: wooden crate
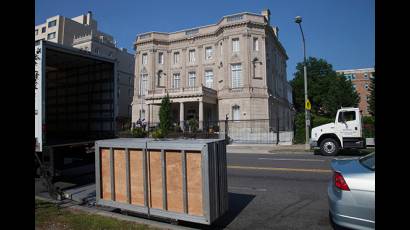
pixel 178 179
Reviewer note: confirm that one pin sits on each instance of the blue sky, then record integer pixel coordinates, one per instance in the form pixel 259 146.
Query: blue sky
pixel 342 32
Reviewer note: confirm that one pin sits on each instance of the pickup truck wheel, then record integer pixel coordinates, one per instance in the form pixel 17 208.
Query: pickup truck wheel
pixel 329 147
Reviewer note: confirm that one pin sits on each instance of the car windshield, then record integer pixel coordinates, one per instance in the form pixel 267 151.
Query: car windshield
pixel 368 161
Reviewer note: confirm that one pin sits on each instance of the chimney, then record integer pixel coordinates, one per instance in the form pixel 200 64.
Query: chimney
pixel 266 14
pixel 89 17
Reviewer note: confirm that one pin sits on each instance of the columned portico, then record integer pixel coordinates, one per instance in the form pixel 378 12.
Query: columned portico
pixel 149 117
pixel 181 115
pixel 194 103
pixel 201 115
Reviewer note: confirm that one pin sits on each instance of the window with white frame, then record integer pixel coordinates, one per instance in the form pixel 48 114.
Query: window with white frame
pixel 176 57
pixel 235 45
pixel 142 114
pixel 176 80
pixel 191 56
pixel 255 44
pixel 366 76
pixel 52 23
pixel 51 36
pixel 354 86
pixel 43 29
pixel 143 83
pixel 366 86
pixel 236 112
pixel 144 59
pixel 191 79
pixel 208 53
pixel 209 79
pixel 161 58
pixel 236 75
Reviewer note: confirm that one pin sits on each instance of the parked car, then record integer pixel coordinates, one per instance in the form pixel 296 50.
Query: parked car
pixel 351 192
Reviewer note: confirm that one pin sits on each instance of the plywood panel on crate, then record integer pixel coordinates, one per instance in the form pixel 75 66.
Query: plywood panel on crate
pixel 136 177
pixel 174 181
pixel 194 183
pixel 155 181
pixel 120 176
pixel 105 174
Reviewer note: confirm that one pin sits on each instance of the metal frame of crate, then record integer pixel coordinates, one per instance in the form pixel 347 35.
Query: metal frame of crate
pixel 213 180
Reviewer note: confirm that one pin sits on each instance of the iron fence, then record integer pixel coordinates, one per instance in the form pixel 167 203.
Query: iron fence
pixel 260 131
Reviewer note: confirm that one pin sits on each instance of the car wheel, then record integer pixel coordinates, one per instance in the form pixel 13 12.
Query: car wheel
pixel 329 147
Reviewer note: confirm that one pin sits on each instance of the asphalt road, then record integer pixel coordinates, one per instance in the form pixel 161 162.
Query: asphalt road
pixel 286 190
pixel 277 191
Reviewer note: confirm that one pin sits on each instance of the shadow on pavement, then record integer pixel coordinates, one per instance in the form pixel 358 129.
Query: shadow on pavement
pixel 237 202
pixel 349 152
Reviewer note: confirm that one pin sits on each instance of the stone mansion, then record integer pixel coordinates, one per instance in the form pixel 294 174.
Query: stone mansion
pixel 234 68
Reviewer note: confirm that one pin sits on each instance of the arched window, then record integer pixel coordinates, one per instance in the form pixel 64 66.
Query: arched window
pixel 160 78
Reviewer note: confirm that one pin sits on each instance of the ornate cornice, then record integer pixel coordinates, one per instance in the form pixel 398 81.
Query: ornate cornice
pixel 216 33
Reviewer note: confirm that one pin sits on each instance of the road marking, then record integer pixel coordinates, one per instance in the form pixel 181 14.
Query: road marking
pixel 280 169
pixel 248 188
pixel 289 159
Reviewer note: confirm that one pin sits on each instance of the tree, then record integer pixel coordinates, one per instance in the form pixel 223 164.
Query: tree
pixel 372 99
pixel 327 91
pixel 165 115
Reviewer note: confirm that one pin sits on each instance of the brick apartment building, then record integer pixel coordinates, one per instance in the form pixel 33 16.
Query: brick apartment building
pixel 361 82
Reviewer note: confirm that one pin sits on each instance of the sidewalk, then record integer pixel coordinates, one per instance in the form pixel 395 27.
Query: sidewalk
pixel 265 148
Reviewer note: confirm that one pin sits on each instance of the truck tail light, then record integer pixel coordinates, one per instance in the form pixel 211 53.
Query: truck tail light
pixel 340 181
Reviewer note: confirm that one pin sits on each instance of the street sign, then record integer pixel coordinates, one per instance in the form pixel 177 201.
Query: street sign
pixel 308 106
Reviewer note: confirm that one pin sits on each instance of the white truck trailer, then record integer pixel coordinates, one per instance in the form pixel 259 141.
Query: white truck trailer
pixel 346 132
pixel 75 104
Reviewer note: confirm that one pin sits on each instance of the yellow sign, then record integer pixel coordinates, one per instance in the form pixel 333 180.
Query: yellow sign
pixel 308 106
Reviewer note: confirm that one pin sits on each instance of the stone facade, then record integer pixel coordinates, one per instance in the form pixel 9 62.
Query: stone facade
pixel 361 82
pixel 234 68
pixel 81 32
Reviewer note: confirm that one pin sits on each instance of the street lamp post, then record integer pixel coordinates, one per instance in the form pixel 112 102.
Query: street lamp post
pixel 298 20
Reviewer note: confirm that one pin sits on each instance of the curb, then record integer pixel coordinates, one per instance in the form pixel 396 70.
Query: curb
pixel 72 205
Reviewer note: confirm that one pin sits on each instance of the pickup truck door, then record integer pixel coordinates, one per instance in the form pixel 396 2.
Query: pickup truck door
pixel 348 123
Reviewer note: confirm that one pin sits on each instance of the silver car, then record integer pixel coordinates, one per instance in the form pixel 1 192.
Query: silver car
pixel 351 192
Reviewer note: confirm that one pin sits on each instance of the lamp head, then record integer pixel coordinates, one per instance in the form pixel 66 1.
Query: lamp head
pixel 298 19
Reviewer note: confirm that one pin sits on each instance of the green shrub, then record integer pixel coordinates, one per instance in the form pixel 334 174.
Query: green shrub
pixel 138 133
pixel 320 120
pixel 299 137
pixel 193 125
pixel 368 120
pixel 316 120
pixel 368 127
pixel 157 133
pixel 165 115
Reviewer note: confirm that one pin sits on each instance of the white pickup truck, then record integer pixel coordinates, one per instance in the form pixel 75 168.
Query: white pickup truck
pixel 345 132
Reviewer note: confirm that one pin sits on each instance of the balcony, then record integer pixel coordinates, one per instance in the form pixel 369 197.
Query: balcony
pixel 90 37
pixel 187 92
